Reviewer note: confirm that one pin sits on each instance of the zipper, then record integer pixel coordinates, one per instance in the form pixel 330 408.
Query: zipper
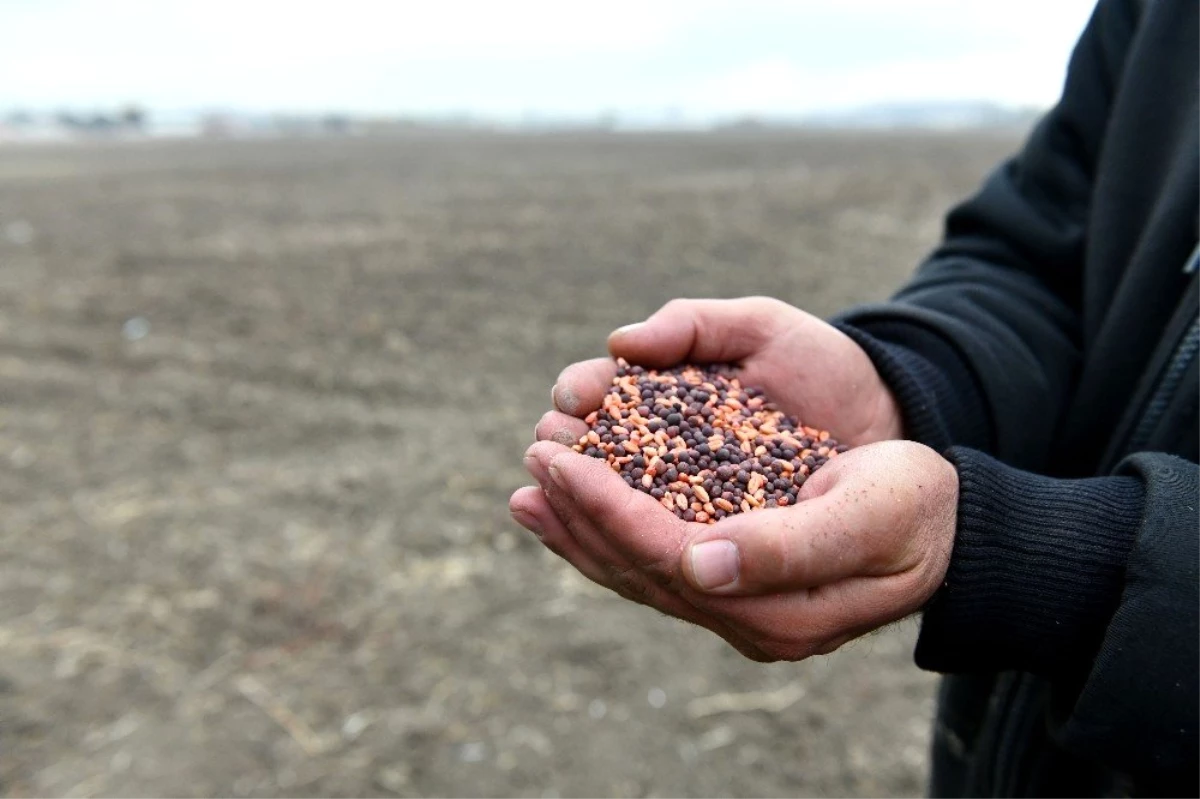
pixel 1164 374
pixel 1185 352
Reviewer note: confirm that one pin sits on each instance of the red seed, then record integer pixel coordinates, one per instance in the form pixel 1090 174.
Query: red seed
pixel 737 429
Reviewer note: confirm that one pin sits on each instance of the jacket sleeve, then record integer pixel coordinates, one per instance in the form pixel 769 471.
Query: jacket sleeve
pixel 991 320
pixel 1093 582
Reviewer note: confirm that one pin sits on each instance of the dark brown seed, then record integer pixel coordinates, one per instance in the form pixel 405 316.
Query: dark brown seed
pixel 701 444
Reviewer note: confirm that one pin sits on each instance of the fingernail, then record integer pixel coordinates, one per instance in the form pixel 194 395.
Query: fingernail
pixel 563 436
pixel 556 474
pixel 714 564
pixel 620 331
pixel 534 467
pixel 527 521
pixel 564 399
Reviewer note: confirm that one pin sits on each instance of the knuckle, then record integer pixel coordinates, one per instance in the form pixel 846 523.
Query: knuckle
pixel 770 560
pixel 663 571
pixel 665 566
pixel 628 582
pixel 776 650
pixel 763 302
pixel 751 651
pixel 828 647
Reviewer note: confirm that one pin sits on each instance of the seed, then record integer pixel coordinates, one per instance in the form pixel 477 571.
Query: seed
pixel 700 443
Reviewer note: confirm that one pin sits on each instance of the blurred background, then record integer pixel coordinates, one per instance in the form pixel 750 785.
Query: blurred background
pixel 283 289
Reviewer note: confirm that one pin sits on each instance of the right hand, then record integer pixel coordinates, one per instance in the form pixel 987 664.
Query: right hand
pixel 809 369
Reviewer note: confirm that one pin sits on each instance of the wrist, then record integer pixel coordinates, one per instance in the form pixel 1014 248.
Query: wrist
pixel 937 400
pixel 1036 570
pixel 891 424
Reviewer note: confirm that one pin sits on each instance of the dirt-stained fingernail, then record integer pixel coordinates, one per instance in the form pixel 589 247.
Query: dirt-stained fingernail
pixel 565 399
pixel 564 436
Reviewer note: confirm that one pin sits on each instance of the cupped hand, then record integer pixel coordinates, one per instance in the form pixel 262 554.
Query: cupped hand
pixel 808 368
pixel 868 543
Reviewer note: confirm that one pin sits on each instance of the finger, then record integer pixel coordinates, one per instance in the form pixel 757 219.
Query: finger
pixel 705 331
pixel 560 428
pixel 831 537
pixel 532 509
pixel 637 549
pixel 581 386
pixel 634 523
pixel 627 527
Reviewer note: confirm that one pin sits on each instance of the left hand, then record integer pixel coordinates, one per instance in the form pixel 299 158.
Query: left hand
pixel 868 543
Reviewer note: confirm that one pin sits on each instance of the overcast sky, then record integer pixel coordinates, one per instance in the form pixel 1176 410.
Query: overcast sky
pixel 705 57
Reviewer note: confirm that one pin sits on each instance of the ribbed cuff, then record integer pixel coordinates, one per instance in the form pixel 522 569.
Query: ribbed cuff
pixel 1036 573
pixel 938 397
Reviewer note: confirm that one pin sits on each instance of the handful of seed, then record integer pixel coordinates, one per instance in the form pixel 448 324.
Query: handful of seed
pixel 701 444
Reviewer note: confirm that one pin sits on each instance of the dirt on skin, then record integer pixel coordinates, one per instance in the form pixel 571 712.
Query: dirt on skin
pixel 261 408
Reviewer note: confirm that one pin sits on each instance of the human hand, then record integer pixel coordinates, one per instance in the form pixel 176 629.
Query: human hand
pixel 809 369
pixel 868 543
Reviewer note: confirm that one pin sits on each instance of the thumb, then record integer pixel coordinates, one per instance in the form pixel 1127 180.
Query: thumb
pixel 785 549
pixel 706 331
pixel 633 522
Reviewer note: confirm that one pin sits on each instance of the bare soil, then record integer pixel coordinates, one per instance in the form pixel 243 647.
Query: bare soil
pixel 261 408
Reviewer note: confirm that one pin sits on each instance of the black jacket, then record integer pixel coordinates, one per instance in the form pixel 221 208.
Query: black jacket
pixel 1048 347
